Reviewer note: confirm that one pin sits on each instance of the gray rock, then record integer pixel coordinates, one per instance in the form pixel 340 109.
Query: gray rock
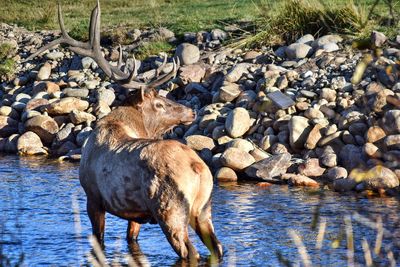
pixel 335 173
pixel 87 62
pixel 165 34
pixel 297 51
pixel 8 126
pixel 44 126
pixel 330 47
pixel 299 129
pixel 378 177
pixel 200 142
pixel 236 159
pixel 218 34
pixel 238 122
pixel 391 121
pixel 344 184
pixel 351 157
pixel 326 39
pixel 29 144
pixel 44 72
pixel 378 38
pixel 242 144
pixel 226 174
pixel 105 95
pixel 55 55
pixel 236 72
pixel 229 91
pixel 270 168
pixel 306 39
pixel 76 92
pixel 187 53
pixel 78 117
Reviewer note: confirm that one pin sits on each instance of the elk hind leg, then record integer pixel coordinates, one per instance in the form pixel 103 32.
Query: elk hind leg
pixel 175 228
pixel 97 218
pixel 132 232
pixel 203 226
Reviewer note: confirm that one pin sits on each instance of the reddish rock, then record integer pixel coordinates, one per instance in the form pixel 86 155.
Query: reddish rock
pixel 299 180
pixel 37 104
pixel 374 134
pixel 66 105
pixel 311 168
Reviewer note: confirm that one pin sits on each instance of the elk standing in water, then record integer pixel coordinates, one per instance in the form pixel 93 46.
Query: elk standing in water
pixel 128 171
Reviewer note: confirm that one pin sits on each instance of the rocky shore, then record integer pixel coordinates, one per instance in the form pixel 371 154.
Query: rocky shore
pixel 317 112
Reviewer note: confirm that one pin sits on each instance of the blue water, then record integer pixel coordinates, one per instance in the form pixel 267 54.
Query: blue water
pixel 43 218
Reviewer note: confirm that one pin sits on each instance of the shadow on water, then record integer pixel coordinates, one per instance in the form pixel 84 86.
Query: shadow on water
pixel 43 218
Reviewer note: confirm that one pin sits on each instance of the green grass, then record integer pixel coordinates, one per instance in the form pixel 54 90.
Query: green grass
pixel 153 48
pixel 7 64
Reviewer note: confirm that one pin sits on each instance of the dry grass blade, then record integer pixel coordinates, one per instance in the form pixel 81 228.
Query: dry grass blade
pixel 367 253
pixel 321 233
pixel 98 251
pixel 379 236
pixel 392 261
pixel 305 258
pixel 350 241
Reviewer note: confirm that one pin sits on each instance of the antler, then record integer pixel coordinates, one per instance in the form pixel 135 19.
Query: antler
pixel 92 49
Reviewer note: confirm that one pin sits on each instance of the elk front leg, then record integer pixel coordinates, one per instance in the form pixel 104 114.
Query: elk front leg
pixel 132 232
pixel 97 218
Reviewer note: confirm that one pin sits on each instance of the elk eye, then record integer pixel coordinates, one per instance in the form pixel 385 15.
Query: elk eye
pixel 159 105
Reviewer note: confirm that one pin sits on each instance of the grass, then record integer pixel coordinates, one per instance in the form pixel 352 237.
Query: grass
pixel 7 64
pixel 153 48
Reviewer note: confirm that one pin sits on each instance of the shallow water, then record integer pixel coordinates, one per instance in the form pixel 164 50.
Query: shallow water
pixel 43 217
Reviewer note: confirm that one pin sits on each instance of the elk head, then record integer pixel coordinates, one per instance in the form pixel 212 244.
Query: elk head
pixel 159 114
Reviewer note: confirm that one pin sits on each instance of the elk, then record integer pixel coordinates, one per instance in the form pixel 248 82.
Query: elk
pixel 126 168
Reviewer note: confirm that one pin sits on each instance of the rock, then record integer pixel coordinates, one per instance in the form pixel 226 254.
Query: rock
pixel 378 177
pixel 78 117
pixel 281 100
pixel 65 148
pixel 187 53
pixel 299 180
pixel 218 34
pixel 37 104
pixel 311 168
pixel 378 38
pixel 251 55
pixel 330 47
pixel 312 113
pixel 55 55
pixel 351 157
pixel 76 92
pixel 237 72
pixel 44 72
pixel 270 168
pixel 259 154
pixel 229 91
pixel 297 51
pixel 47 86
pixel 328 160
pixel 8 126
pixel 9 112
pixel 200 142
pixel 392 141
pixel 335 173
pixel 87 62
pixel 237 122
pixel 299 130
pixel 313 137
pixel 10 145
pixel 66 105
pixel 236 159
pixel 326 39
pixel 371 150
pixel 242 144
pixel 375 134
pixel 191 73
pixel 344 185
pixel 267 141
pixel 391 121
pixel 44 126
pixel 226 174
pixel 105 95
pixel 91 84
pixel 328 94
pixel 165 34
pixel 306 39
pixel 65 134
pixel 29 144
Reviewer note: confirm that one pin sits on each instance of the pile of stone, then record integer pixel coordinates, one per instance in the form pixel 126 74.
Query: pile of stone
pixel 295 115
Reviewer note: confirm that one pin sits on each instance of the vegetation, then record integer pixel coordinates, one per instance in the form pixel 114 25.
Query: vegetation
pixel 7 64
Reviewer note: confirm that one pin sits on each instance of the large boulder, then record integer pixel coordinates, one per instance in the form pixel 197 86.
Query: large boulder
pixel 378 177
pixel 187 53
pixel 271 168
pixel 236 159
pixel 238 122
pixel 66 105
pixel 8 126
pixel 29 144
pixel 299 130
pixel 44 126
pixel 200 142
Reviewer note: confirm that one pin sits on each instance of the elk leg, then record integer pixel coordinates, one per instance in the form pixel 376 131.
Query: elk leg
pixel 176 231
pixel 97 219
pixel 132 232
pixel 204 228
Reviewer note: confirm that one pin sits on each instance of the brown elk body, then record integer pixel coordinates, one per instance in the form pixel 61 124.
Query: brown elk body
pixel 126 170
pixel 128 173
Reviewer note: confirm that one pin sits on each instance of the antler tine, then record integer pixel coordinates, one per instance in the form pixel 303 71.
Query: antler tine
pixel 96 36
pixel 120 58
pixel 167 76
pixel 134 71
pixel 159 69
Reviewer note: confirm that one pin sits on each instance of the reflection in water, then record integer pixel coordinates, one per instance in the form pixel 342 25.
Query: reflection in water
pixel 43 216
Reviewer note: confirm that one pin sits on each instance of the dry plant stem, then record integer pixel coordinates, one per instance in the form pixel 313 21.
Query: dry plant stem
pixel 350 241
pixel 367 253
pixel 321 233
pixel 305 258
pixel 392 261
pixel 379 236
pixel 369 223
pixel 98 251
